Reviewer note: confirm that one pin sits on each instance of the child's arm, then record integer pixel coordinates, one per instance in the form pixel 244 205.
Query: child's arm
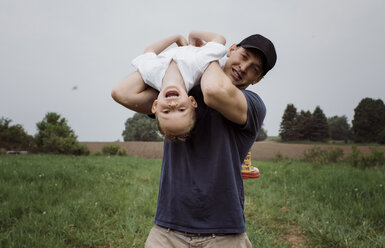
pixel 195 38
pixel 134 94
pixel 159 46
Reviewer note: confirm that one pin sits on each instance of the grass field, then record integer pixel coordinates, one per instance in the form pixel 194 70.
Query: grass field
pixel 99 201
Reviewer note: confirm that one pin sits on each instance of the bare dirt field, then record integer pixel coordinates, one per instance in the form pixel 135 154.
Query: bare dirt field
pixel 264 150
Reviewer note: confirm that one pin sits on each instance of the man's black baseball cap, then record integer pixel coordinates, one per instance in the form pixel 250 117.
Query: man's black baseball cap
pixel 265 46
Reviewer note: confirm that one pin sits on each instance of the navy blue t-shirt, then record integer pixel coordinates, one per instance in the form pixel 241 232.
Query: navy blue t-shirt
pixel 201 186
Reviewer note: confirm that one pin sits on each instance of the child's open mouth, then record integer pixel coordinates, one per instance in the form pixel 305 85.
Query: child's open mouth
pixel 172 94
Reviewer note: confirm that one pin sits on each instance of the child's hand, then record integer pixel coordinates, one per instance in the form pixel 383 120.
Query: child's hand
pixel 181 41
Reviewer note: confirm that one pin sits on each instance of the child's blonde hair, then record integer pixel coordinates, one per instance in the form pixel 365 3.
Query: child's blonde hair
pixel 179 137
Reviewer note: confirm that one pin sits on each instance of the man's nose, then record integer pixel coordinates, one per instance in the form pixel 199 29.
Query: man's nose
pixel 244 66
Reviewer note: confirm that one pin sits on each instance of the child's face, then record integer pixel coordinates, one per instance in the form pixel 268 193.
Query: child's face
pixel 174 110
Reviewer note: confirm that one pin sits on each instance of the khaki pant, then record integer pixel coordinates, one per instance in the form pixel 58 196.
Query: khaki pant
pixel 160 237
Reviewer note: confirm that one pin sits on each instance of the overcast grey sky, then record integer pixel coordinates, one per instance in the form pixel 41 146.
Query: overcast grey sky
pixel 330 53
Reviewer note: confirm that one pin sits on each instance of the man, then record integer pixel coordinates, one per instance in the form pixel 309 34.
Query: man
pixel 201 196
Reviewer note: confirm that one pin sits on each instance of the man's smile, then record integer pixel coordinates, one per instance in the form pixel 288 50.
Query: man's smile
pixel 236 75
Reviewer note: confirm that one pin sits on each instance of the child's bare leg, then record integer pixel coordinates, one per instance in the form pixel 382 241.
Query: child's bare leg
pixel 173 76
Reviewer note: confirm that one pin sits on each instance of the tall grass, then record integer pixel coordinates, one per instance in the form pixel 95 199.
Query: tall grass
pixel 333 205
pixel 100 201
pixel 61 201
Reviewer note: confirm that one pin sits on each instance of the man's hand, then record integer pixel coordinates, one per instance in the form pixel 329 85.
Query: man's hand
pixel 197 42
pixel 181 41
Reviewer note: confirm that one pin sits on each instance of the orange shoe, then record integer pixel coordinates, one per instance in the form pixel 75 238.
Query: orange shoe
pixel 250 172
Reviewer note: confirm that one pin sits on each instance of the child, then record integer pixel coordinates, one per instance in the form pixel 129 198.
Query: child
pixel 173 73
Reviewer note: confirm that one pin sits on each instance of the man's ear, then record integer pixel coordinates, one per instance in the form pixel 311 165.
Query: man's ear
pixel 232 48
pixel 154 106
pixel 193 102
pixel 259 78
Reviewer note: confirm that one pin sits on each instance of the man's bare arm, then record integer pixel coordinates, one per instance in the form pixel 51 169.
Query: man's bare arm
pixel 220 94
pixel 134 94
pixel 218 91
pixel 196 37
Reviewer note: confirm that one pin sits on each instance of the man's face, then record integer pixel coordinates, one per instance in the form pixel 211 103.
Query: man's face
pixel 243 67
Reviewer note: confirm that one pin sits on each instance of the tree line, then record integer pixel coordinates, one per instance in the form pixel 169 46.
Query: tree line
pixel 368 124
pixel 54 136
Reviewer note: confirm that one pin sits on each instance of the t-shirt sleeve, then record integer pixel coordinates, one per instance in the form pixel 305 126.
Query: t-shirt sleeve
pixel 256 112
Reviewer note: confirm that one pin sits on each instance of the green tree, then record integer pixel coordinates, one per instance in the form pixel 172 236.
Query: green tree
pixel 14 137
pixel 55 136
pixel 303 125
pixel 141 128
pixel 320 129
pixel 287 129
pixel 381 137
pixel 369 120
pixel 339 128
pixel 262 134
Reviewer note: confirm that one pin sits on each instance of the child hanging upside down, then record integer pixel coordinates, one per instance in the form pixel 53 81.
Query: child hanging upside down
pixel 173 73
